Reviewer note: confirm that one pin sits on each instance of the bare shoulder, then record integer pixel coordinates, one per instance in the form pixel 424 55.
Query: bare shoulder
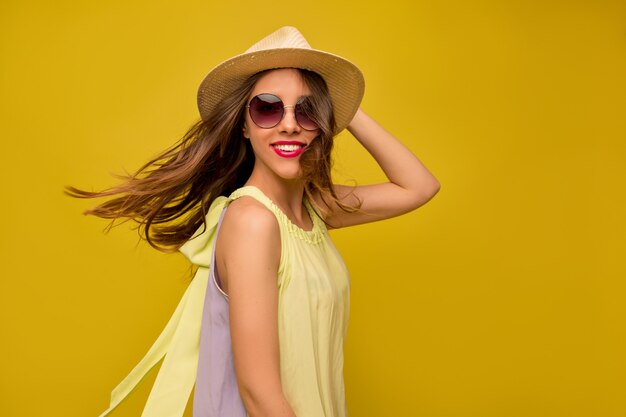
pixel 249 226
pixel 248 217
pixel 248 247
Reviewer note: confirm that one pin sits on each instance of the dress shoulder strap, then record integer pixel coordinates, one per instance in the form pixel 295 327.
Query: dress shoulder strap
pixel 254 192
pixel 316 235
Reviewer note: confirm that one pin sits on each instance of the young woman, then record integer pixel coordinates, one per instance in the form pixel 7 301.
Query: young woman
pixel 247 196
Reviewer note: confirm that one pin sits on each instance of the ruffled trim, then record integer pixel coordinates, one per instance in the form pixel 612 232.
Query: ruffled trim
pixel 314 236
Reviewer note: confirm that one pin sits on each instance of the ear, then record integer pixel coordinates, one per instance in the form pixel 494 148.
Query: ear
pixel 245 131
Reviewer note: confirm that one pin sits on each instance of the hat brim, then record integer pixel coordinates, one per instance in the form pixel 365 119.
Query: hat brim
pixel 344 80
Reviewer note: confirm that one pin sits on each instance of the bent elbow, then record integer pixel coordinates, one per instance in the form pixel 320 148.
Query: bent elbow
pixel 431 189
pixel 434 187
pixel 425 193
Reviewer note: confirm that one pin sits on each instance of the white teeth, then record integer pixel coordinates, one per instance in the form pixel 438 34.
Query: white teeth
pixel 288 148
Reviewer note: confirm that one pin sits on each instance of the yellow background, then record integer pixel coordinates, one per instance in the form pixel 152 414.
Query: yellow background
pixel 504 296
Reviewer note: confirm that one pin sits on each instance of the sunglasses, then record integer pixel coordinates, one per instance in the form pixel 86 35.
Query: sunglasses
pixel 267 110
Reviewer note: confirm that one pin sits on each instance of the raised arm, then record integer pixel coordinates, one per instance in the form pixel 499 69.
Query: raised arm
pixel 410 183
pixel 248 255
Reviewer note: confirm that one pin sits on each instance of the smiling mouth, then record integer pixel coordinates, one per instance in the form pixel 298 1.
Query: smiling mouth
pixel 288 150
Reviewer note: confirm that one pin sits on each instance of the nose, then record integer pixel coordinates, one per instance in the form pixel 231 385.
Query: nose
pixel 288 123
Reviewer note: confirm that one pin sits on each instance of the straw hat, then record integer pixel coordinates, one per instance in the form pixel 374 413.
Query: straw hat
pixel 286 48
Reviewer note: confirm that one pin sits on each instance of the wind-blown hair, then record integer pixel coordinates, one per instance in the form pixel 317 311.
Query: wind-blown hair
pixel 170 195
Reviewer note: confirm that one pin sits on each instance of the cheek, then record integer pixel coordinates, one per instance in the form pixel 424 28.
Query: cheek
pixel 258 139
pixel 320 148
pixel 313 137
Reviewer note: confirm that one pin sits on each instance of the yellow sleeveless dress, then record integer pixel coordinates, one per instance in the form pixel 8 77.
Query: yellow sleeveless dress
pixel 313 312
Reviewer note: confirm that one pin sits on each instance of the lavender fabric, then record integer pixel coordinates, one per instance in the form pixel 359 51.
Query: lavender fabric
pixel 216 393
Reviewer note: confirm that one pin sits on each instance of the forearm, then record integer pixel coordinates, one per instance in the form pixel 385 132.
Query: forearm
pixel 399 164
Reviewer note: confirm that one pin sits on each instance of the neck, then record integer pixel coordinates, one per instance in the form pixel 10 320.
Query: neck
pixel 286 194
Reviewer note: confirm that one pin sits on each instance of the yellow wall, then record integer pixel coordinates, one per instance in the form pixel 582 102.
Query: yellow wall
pixel 502 297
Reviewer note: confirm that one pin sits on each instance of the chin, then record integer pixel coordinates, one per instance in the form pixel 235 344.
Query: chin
pixel 289 173
pixel 292 176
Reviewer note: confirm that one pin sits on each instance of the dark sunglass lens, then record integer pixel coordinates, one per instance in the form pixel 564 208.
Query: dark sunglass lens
pixel 304 113
pixel 266 110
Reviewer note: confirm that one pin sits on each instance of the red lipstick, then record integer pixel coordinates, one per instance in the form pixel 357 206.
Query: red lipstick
pixel 288 148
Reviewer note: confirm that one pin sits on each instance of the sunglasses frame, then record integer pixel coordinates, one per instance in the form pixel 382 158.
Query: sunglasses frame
pixel 294 107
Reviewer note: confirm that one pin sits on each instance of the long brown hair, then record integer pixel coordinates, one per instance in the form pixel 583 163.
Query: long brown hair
pixel 170 195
